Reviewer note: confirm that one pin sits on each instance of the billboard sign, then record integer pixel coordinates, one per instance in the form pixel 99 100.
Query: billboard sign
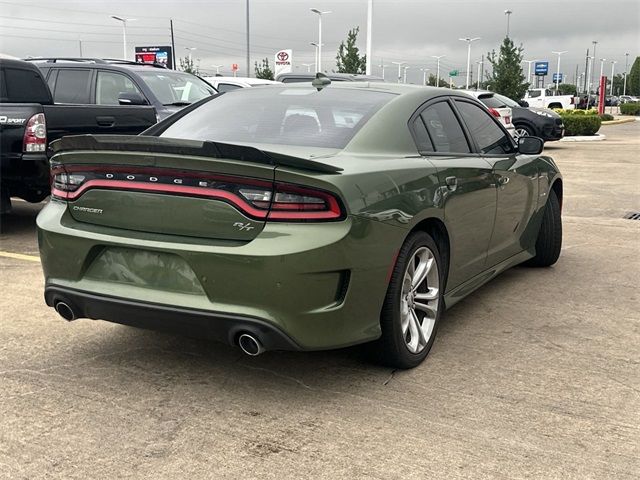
pixel 283 61
pixel 161 55
pixel 542 68
pixel 558 77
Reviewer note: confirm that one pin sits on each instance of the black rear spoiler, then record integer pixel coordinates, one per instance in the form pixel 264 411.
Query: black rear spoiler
pixel 176 146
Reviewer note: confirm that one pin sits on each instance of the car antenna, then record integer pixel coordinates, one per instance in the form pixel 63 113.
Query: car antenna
pixel 321 81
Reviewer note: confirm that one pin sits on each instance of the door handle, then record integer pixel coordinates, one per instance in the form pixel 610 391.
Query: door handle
pixel 452 183
pixel 106 121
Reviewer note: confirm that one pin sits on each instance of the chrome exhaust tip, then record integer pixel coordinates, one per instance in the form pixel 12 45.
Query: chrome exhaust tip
pixel 250 345
pixel 65 311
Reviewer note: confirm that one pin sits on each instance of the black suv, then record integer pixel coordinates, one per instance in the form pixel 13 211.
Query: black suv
pixel 94 81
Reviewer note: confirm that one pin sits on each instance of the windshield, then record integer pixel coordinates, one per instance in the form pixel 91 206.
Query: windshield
pixel 506 101
pixel 176 87
pixel 283 116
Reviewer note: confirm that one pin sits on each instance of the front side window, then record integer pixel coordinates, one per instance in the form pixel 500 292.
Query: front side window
pixel 111 85
pixel 72 86
pixel 489 137
pixel 176 88
pixel 534 93
pixel 444 129
pixel 282 116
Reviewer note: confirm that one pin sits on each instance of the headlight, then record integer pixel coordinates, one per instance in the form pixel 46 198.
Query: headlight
pixel 542 113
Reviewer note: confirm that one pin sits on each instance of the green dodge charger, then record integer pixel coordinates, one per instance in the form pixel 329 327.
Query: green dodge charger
pixel 298 218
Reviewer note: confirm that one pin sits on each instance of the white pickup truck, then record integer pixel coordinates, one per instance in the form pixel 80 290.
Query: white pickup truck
pixel 544 98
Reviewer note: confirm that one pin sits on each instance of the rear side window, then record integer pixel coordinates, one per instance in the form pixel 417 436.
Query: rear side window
pixel 492 101
pixel 110 85
pixel 19 85
pixel 72 86
pixel 444 129
pixel 421 136
pixel 489 137
pixel 227 87
pixel 282 116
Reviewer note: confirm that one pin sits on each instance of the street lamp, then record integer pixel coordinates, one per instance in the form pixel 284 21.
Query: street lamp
pixel 369 33
pixel 124 33
pixel 479 62
pixel 315 45
pixel 590 60
pixel 508 14
pixel 383 66
pixel 469 41
pixel 406 67
pixel 308 65
pixel 438 57
pixel 191 49
pixel 424 75
pixel 595 43
pixel 602 60
pixel 529 70
pixel 217 67
pixel 319 13
pixel 613 66
pixel 626 69
pixel 558 69
pixel 399 69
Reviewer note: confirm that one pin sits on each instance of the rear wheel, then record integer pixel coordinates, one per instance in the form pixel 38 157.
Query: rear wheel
pixel 413 304
pixel 549 241
pixel 523 131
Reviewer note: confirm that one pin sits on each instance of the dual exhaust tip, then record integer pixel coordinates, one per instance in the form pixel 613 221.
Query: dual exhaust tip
pixel 249 344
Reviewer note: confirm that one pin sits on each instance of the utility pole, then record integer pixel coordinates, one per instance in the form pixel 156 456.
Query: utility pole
pixel 626 69
pixel 248 42
pixel 369 32
pixel 173 46
pixel 438 57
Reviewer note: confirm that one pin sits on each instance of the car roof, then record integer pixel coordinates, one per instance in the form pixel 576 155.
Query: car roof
pixel 354 77
pixel 240 80
pixel 16 63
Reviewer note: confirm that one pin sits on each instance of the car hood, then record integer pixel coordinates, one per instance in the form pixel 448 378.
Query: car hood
pixel 547 111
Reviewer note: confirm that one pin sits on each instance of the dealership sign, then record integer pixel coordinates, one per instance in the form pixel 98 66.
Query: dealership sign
pixel 161 55
pixel 283 62
pixel 542 68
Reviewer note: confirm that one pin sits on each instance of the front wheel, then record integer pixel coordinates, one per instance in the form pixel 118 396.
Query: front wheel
pixel 549 241
pixel 523 131
pixel 413 304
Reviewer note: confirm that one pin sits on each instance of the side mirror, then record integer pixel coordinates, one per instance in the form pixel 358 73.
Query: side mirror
pixel 522 103
pixel 530 145
pixel 131 98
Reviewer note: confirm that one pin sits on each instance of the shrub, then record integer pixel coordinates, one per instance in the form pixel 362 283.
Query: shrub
pixel 632 108
pixel 576 111
pixel 577 124
pixel 605 117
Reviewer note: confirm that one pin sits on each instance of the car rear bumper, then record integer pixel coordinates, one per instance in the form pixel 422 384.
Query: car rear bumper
pixel 320 285
pixel 211 325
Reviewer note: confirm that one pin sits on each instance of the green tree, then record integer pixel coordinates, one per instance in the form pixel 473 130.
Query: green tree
pixel 633 80
pixel 507 78
pixel 187 65
pixel 567 89
pixel 348 57
pixel 264 71
pixel 432 81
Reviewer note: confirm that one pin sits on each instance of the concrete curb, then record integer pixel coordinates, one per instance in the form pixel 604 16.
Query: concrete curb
pixel 619 121
pixel 592 138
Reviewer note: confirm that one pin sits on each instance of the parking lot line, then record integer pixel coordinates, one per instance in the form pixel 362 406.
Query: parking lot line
pixel 20 256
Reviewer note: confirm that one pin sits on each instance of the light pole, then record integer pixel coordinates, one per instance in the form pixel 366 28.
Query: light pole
pixel 613 66
pixel 558 69
pixel 399 69
pixel 217 67
pixel 124 33
pixel 469 41
pixel 438 57
pixel 589 74
pixel 626 68
pixel 369 32
pixel 315 45
pixel 508 14
pixel 602 60
pixel 308 65
pixel 248 42
pixel 479 62
pixel 191 49
pixel 382 66
pixel 424 75
pixel 406 67
pixel 595 43
pixel 319 13
pixel 529 70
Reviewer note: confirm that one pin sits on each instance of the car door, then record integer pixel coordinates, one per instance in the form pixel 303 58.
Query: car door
pixel 534 98
pixel 467 192
pixel 514 174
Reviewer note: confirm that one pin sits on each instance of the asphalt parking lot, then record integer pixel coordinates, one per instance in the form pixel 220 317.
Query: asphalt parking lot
pixel 536 375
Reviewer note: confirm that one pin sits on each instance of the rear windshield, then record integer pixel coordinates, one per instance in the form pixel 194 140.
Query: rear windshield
pixel 495 101
pixel 283 116
pixel 176 87
pixel 18 85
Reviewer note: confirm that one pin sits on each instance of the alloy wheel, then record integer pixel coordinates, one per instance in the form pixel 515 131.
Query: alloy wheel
pixel 419 300
pixel 521 132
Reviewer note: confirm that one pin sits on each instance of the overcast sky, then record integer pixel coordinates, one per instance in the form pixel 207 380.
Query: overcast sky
pixel 403 30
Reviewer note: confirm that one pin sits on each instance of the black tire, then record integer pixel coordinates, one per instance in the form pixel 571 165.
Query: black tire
pixel 391 348
pixel 549 241
pixel 526 128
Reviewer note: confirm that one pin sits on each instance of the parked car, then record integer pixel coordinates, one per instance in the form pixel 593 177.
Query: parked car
pixel 334 77
pixel 628 99
pixel 502 112
pixel 529 121
pixel 611 101
pixel 226 84
pixel 95 81
pixel 544 98
pixel 338 215
pixel 29 119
